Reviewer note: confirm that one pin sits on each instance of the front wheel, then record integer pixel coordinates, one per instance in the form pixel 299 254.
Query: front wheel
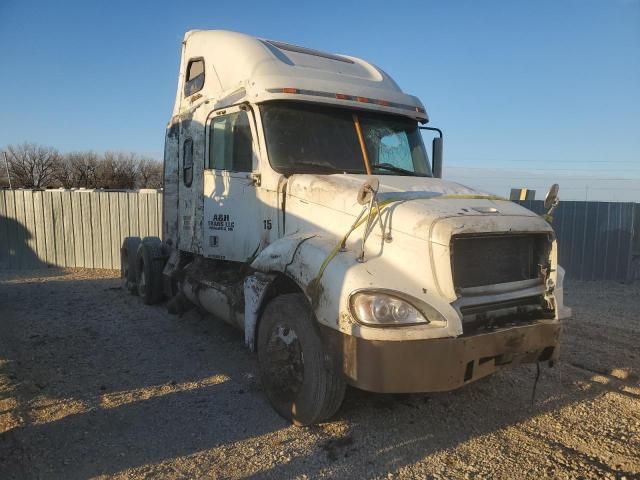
pixel 298 382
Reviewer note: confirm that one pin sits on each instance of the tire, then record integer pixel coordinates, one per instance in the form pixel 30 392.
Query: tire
pixel 293 371
pixel 128 253
pixel 149 266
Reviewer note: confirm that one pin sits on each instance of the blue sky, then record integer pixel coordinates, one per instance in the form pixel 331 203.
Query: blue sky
pixel 526 92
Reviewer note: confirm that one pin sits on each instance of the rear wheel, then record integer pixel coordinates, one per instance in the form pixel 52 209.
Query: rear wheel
pixel 149 265
pixel 299 384
pixel 128 253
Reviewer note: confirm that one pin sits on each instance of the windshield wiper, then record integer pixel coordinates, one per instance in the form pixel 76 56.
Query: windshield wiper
pixel 393 168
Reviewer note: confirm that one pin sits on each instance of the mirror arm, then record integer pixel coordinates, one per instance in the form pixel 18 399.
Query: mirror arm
pixel 433 129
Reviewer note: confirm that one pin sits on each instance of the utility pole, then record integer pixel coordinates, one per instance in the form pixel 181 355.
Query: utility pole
pixel 6 163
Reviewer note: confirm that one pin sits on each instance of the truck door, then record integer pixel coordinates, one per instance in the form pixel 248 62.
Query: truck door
pixel 191 148
pixel 190 178
pixel 232 226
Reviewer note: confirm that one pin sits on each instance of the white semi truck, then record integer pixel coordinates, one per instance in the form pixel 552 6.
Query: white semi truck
pixel 301 206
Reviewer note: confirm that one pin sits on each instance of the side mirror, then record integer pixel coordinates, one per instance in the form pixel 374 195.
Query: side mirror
pixel 436 156
pixel 367 191
pixel 551 200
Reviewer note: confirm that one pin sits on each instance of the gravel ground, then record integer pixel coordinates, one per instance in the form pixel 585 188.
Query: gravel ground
pixel 95 384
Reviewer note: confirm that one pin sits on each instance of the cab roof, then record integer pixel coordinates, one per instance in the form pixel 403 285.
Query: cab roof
pixel 239 67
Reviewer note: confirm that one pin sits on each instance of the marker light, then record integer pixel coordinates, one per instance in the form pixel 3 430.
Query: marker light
pixel 343 96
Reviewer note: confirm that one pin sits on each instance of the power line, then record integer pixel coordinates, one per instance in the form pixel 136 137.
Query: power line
pixel 542 187
pixel 554 161
pixel 526 169
pixel 592 178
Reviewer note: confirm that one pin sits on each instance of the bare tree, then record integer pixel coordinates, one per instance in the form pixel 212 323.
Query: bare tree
pixel 32 166
pixel 78 169
pixel 118 170
pixel 36 166
pixel 149 173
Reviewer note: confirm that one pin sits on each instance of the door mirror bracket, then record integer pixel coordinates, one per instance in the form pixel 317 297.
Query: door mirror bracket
pixel 436 151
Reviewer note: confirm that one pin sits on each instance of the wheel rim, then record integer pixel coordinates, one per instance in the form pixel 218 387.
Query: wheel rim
pixel 284 366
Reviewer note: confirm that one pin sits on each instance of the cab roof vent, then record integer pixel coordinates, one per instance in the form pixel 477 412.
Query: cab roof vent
pixel 308 51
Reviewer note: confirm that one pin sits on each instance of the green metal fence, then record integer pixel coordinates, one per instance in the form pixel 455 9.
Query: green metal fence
pixel 73 228
pixel 81 228
pixel 595 239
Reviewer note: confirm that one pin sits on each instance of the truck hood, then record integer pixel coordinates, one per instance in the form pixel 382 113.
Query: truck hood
pixel 417 202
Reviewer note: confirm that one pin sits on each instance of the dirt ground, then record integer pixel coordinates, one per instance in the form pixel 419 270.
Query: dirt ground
pixel 95 384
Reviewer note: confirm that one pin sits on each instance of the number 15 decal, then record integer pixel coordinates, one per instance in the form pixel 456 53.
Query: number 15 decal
pixel 267 224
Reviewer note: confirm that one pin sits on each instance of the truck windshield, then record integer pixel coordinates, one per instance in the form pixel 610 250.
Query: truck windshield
pixel 310 138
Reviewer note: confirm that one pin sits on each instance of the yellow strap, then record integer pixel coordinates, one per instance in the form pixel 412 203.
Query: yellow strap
pixel 374 211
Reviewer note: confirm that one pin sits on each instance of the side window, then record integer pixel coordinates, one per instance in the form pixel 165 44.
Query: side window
pixel 187 162
pixel 230 146
pixel 194 80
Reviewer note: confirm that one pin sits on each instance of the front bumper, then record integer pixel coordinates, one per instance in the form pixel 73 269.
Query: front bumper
pixel 436 365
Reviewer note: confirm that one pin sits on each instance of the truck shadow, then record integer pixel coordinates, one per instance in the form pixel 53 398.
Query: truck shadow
pixel 15 251
pixel 384 433
pixel 104 385
pixel 94 382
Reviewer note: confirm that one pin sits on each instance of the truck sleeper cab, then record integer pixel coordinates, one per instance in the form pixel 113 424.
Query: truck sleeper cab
pixel 301 206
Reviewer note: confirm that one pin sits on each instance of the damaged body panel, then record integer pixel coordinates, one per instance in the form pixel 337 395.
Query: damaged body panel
pixel 439 365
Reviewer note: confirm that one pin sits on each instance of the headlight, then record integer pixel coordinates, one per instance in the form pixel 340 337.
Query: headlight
pixel 383 309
